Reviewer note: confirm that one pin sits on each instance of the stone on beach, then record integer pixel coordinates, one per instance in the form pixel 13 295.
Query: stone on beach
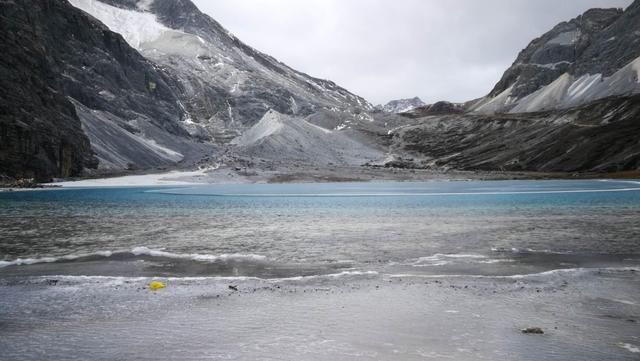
pixel 533 331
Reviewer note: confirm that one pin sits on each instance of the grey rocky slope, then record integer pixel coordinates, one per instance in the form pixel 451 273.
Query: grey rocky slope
pixel 169 87
pixel 571 92
pixel 569 103
pixel 117 84
pixel 599 137
pixel 84 83
pixel 225 85
pixel 591 57
pixel 40 133
pixel 402 105
pixel 281 138
pixel 441 107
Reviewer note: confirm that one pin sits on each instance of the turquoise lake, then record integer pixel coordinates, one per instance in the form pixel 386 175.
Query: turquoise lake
pixel 371 271
pixel 286 230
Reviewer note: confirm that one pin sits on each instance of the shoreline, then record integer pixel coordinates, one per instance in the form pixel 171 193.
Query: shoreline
pixel 307 174
pixel 409 319
pixel 319 278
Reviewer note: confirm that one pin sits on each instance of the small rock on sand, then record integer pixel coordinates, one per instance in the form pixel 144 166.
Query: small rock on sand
pixel 533 330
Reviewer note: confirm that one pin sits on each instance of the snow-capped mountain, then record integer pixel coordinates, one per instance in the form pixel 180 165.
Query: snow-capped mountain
pixel 402 105
pixel 61 71
pixel 225 85
pixel 569 103
pixel 593 56
pixel 437 108
pixel 127 84
pixel 118 84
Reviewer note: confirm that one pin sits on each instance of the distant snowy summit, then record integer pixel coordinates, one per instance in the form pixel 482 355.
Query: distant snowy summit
pixel 401 105
pixel 437 108
pixel 415 107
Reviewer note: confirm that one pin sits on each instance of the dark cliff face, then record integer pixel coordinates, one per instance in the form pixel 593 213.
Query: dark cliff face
pixel 568 47
pixel 59 66
pixel 40 133
pixel 97 68
pixel 614 46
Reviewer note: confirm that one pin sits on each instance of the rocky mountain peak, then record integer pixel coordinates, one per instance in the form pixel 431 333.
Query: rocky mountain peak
pixel 587 58
pixel 554 53
pixel 597 19
pixel 402 105
pixel 226 84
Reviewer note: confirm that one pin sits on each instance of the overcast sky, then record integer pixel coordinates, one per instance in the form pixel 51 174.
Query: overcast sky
pixel 388 49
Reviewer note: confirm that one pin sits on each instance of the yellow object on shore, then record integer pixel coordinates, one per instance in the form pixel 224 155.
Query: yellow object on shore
pixel 156 285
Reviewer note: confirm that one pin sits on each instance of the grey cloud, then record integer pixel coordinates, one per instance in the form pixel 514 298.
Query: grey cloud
pixel 388 49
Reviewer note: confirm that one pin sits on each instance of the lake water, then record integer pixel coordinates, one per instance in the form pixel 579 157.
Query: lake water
pixel 74 265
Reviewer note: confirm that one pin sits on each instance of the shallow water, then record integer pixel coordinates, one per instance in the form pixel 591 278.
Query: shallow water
pixel 304 229
pixel 342 271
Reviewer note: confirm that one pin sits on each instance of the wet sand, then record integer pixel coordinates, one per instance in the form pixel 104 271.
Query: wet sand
pixel 585 315
pixel 303 173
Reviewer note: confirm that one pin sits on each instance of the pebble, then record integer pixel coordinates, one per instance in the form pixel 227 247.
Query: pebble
pixel 533 330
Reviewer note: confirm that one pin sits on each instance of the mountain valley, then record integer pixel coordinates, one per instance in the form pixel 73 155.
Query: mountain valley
pixel 105 87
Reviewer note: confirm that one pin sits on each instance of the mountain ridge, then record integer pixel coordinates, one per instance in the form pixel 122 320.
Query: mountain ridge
pixel 402 105
pixel 113 85
pixel 565 66
pixel 216 65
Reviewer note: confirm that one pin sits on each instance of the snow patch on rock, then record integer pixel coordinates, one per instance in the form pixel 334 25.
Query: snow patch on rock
pixel 136 27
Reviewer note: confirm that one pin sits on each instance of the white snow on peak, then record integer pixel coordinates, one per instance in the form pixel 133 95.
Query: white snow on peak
pixel 136 27
pixel 403 105
pixel 206 60
pixel 142 30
